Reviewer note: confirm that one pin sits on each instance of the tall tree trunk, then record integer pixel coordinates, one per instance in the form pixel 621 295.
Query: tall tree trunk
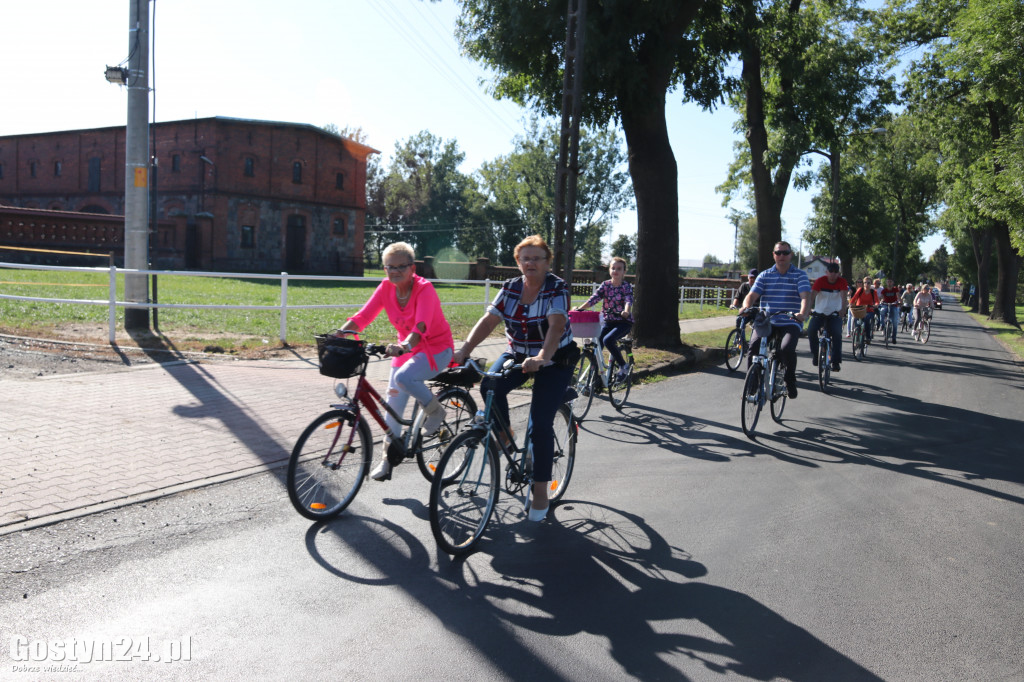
pixel 769 219
pixel 981 240
pixel 652 167
pixel 1008 262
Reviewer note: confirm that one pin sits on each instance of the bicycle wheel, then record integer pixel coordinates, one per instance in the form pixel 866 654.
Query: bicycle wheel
pixel 461 504
pixel 823 363
pixel 328 464
pixel 460 408
pixel 734 350
pixel 889 331
pixel 779 392
pixel 583 380
pixel 752 402
pixel 858 343
pixel 618 390
pixel 565 453
pixel 926 331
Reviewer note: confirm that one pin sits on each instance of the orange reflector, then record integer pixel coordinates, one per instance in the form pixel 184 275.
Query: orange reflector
pixel 332 425
pixel 318 506
pixel 432 467
pixel 554 486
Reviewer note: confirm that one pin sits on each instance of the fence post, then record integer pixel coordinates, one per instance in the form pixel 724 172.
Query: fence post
pixel 112 295
pixel 703 292
pixel 682 294
pixel 283 332
pixel 487 293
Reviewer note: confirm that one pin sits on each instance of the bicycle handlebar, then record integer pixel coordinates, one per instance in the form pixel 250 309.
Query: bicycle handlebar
pixel 500 374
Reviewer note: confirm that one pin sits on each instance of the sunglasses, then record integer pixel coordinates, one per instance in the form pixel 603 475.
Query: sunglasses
pixel 397 268
pixel 783 253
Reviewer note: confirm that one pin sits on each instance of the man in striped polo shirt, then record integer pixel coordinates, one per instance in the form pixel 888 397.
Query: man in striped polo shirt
pixel 782 288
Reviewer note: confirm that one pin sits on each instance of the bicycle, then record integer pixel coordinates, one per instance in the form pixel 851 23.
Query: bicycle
pixel 592 368
pixel 923 328
pixel 333 454
pixel 736 345
pixel 859 333
pixel 890 325
pixel 465 488
pixel 824 352
pixel 766 378
pixel 905 319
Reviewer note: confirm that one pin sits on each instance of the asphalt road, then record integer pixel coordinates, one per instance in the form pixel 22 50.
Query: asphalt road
pixel 874 535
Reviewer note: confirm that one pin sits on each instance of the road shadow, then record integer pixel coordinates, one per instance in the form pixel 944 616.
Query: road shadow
pixel 594 571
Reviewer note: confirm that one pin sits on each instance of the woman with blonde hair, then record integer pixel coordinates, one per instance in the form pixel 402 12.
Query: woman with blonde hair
pixel 424 345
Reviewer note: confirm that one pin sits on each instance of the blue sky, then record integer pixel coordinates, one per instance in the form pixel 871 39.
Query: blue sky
pixel 390 67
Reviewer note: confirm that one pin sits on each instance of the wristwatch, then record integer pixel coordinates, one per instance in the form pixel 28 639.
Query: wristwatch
pixel 405 345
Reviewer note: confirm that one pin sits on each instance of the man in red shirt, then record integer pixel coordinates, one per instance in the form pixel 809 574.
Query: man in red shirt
pixel 890 300
pixel 828 295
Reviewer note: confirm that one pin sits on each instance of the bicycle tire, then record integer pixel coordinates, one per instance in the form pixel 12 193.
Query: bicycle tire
pixel 584 379
pixel 926 331
pixel 564 455
pixel 858 342
pixel 618 391
pixel 779 392
pixel 823 364
pixel 734 350
pixel 750 410
pixel 321 480
pixel 889 331
pixel 461 505
pixel 460 408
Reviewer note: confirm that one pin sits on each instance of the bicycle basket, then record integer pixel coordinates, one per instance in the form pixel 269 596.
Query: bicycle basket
pixel 586 324
pixel 340 358
pixel 859 311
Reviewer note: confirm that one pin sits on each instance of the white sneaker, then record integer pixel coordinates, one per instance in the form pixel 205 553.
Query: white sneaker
pixel 382 472
pixel 536 515
pixel 434 419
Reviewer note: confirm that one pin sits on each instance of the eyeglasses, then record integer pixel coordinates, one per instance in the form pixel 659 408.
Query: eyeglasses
pixel 783 253
pixel 533 259
pixel 397 268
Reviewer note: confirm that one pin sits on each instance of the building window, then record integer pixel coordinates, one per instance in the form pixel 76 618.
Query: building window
pixel 339 227
pixel 57 168
pixel 94 175
pixel 32 168
pixel 176 163
pixel 250 167
pixel 248 236
pixel 339 181
pixel 297 172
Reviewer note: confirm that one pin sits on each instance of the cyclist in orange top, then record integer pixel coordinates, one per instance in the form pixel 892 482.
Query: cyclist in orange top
pixel 866 296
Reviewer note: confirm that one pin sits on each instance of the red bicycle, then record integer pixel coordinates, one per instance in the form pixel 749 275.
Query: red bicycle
pixel 333 455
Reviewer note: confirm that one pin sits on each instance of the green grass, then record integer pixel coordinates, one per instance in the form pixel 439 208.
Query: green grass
pixel 1011 337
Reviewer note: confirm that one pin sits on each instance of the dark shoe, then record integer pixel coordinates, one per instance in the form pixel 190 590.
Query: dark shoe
pixel 791 390
pixel 814 359
pixel 835 368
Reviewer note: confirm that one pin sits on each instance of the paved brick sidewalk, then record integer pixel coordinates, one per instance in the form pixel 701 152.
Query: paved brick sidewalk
pixel 75 444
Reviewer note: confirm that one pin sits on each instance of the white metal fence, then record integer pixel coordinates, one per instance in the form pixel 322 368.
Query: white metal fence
pixel 700 296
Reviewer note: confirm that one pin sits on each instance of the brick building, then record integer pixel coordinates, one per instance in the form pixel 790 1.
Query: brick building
pixel 227 194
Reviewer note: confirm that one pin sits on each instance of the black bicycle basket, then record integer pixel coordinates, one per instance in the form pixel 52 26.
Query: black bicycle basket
pixel 340 358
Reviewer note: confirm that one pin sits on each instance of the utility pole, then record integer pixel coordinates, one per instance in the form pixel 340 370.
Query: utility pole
pixel 568 168
pixel 136 158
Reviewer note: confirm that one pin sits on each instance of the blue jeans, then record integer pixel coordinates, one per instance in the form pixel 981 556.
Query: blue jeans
pixel 549 384
pixel 834 329
pixel 612 332
pixel 889 311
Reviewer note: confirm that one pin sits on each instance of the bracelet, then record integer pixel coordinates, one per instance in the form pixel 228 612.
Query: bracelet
pixel 405 346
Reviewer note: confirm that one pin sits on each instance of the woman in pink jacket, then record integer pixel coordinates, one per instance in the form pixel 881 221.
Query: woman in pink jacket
pixel 424 345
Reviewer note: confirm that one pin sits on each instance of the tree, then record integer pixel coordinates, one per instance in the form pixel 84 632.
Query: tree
pixel 634 54
pixel 807 81
pixel 939 264
pixel 423 198
pixel 624 246
pixel 966 86
pixel 521 186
